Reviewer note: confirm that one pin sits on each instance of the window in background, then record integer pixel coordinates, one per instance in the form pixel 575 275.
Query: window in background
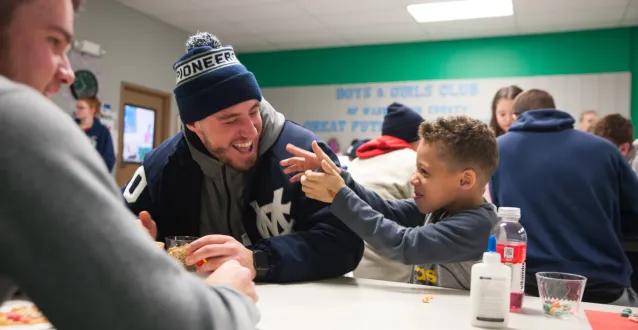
pixel 139 133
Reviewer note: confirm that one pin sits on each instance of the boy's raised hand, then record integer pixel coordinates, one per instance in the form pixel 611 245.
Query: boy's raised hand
pixel 322 186
pixel 304 160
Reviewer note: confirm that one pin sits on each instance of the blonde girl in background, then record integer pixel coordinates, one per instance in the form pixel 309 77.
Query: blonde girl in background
pixel 87 113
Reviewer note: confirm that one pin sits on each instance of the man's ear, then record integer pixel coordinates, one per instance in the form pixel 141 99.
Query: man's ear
pixel 193 127
pixel 468 179
pixel 196 128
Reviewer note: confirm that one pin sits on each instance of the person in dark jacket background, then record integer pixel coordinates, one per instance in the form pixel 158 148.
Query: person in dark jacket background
pixel 220 179
pixel 578 199
pixel 87 111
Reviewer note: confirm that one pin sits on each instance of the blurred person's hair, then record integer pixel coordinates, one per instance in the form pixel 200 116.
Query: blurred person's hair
pixel 93 103
pixel 505 93
pixel 615 128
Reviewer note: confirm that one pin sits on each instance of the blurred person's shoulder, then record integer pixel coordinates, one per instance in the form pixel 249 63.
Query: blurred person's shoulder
pixel 33 122
pixel 18 101
pixel 594 143
pixel 8 87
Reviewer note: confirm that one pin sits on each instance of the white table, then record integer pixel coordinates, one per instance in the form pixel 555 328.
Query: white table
pixel 349 303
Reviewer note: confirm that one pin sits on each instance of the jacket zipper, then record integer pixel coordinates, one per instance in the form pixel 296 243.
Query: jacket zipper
pixel 230 228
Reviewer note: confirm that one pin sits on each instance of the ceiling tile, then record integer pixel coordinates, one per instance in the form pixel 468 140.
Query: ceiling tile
pixel 336 7
pixel 307 23
pixel 387 39
pixel 152 7
pixel 584 18
pixel 252 48
pixel 545 6
pixel 202 21
pixel 224 4
pixel 630 17
pixel 400 32
pixel 471 34
pixel 301 37
pixel 261 11
pixel 311 44
pixel 504 24
pixel 367 17
pixel 247 41
pixel 538 29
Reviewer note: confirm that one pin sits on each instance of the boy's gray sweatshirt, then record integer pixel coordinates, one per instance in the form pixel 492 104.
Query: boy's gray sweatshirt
pixel 442 247
pixel 68 240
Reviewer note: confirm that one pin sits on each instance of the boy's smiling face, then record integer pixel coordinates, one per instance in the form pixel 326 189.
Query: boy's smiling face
pixel 436 184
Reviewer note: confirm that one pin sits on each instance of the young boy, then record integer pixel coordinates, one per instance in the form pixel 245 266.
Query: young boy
pixel 444 229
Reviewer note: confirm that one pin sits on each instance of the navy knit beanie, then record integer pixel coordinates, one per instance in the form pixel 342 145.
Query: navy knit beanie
pixel 211 79
pixel 401 122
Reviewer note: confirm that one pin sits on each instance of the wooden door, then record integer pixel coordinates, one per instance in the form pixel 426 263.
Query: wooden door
pixel 144 121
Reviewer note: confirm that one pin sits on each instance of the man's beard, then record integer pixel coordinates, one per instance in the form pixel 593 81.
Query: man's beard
pixel 220 154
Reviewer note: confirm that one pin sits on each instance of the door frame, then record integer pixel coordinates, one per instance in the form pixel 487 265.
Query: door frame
pixel 163 129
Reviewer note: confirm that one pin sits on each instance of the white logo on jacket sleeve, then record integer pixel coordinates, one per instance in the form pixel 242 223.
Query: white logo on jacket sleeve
pixel 131 197
pixel 270 227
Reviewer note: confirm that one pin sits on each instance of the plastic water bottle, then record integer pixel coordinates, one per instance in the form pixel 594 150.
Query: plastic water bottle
pixel 511 244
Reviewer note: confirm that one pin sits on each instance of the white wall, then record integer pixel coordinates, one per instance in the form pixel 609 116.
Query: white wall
pixel 140 50
pixel 346 112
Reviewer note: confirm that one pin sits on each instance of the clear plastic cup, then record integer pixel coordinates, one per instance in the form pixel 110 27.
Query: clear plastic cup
pixel 560 293
pixel 176 246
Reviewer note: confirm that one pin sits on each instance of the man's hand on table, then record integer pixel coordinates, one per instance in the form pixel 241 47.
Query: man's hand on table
pixel 229 261
pixel 238 277
pixel 216 250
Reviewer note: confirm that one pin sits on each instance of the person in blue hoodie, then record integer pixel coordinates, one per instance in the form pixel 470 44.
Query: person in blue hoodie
pixel 220 179
pixel 578 198
pixel 87 110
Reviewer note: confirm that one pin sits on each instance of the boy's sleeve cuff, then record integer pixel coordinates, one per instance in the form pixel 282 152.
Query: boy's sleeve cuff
pixel 340 201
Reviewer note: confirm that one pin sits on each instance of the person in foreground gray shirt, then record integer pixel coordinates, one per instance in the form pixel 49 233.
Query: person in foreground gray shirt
pixel 68 241
pixel 455 158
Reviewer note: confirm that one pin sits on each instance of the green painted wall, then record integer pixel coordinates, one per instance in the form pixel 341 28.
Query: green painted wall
pixel 597 51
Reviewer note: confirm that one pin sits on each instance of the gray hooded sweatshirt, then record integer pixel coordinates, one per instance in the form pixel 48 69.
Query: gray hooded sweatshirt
pixel 222 204
pixel 68 240
pixel 442 246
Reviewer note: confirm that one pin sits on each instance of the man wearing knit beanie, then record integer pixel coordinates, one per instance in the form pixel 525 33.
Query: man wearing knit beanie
pixel 385 166
pixel 220 179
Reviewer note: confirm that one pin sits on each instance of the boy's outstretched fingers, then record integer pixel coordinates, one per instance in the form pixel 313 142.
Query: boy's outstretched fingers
pixel 329 168
pixel 322 155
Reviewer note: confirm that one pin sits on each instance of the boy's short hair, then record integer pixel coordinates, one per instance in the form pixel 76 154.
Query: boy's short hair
pixel 466 142
pixel 615 128
pixel 533 99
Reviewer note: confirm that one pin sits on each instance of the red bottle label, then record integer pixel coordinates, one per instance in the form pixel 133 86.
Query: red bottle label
pixel 513 256
pixel 512 253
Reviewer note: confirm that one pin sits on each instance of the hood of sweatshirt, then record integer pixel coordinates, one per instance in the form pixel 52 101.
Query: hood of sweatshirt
pixel 381 145
pixel 543 120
